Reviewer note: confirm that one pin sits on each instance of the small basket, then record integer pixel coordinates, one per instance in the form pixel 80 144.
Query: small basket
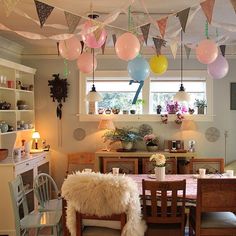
pixel 3 154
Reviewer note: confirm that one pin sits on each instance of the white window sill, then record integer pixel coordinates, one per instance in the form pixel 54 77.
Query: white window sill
pixel 137 117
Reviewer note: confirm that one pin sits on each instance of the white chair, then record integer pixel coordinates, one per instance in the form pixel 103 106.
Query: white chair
pixel 24 221
pixel 44 186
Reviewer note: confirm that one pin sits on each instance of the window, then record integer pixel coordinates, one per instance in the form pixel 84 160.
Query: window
pixel 116 91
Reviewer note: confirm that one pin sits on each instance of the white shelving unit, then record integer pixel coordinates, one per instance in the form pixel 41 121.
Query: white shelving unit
pixel 15 73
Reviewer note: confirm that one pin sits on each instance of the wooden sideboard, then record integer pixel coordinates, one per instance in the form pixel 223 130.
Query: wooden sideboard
pixel 28 168
pixel 99 155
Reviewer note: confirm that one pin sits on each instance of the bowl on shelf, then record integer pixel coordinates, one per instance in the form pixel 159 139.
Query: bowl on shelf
pixel 3 154
pixel 23 107
pixel 5 105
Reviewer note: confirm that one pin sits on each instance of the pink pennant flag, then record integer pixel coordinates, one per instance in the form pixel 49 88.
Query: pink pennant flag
pixel 43 11
pixel 207 7
pixel 233 2
pixel 162 26
pixel 183 17
pixel 174 47
pixel 145 31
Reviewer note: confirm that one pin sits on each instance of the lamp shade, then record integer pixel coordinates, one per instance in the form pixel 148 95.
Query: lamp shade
pixel 36 135
pixel 93 96
pixel 188 125
pixel 106 124
pixel 182 96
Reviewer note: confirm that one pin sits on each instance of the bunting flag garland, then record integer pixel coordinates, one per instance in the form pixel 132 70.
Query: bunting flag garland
pixel 114 39
pixel 233 2
pixel 103 46
pixel 158 42
pixel 183 18
pixel 222 49
pixel 72 21
pixel 174 47
pixel 187 50
pixel 162 26
pixel 43 11
pixel 58 52
pixel 9 5
pixel 207 7
pixel 145 31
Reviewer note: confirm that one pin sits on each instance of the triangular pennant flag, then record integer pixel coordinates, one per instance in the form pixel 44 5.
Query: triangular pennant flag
pixel 207 7
pixel 141 39
pixel 145 31
pixel 174 47
pixel 43 11
pixel 187 50
pixel 162 26
pixel 82 46
pixel 9 6
pixel 222 49
pixel 103 46
pixel 158 42
pixel 183 17
pixel 114 39
pixel 58 52
pixel 233 2
pixel 72 21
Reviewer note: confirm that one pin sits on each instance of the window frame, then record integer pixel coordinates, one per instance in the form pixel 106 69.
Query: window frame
pixel 83 116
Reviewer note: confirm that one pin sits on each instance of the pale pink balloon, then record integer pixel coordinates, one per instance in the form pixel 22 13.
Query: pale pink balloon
pixel 127 46
pixel 70 48
pixel 206 51
pixel 90 39
pixel 85 62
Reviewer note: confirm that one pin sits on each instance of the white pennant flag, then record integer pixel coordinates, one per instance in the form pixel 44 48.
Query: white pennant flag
pixel 174 46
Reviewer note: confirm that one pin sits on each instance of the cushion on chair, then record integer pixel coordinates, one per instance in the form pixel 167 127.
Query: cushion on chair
pixel 102 223
pixel 218 220
pixel 100 231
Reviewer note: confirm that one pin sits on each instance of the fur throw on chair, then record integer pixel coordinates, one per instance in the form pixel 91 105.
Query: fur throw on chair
pixel 103 195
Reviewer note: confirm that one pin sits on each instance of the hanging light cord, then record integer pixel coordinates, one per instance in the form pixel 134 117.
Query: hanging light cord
pixel 181 58
pixel 93 86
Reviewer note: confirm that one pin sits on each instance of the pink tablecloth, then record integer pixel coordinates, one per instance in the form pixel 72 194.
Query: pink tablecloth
pixel 191 183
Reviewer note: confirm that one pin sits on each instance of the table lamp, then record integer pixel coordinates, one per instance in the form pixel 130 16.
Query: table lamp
pixel 36 136
pixel 106 124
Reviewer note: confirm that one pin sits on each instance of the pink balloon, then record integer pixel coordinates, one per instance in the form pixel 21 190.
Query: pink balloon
pixel 85 62
pixel 70 48
pixel 219 68
pixel 127 46
pixel 90 39
pixel 206 51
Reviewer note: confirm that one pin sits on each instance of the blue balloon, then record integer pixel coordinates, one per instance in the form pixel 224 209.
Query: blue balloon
pixel 138 69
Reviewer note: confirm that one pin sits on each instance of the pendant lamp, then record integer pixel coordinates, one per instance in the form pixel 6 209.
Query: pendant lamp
pixel 93 95
pixel 181 95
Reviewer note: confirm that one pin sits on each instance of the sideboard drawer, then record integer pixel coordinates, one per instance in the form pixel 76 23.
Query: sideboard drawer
pixel 25 166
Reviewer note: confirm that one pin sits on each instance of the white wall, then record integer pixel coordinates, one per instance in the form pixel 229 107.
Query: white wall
pixel 51 128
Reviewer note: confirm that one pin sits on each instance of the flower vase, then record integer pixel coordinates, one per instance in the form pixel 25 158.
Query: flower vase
pixel 160 173
pixel 152 148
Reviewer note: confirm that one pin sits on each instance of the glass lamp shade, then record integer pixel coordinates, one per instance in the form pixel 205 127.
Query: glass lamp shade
pixel 106 124
pixel 182 96
pixel 36 135
pixel 188 125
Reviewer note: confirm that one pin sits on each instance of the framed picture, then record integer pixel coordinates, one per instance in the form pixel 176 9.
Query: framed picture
pixel 232 96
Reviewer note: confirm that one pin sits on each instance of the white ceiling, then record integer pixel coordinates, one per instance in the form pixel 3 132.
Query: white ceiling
pixel 224 15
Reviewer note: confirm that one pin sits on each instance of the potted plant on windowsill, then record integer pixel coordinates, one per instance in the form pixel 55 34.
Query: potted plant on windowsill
pixel 127 137
pixel 200 104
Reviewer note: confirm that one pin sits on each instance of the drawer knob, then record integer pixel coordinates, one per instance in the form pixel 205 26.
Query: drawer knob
pixel 27 164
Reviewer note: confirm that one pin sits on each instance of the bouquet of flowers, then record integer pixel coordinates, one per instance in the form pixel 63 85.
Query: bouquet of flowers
pixel 160 159
pixel 172 107
pixel 150 140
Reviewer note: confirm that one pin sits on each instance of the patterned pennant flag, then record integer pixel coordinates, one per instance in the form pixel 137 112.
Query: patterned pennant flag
pixel 114 39
pixel 103 46
pixel 162 26
pixel 72 21
pixel 43 11
pixel 207 7
pixel 233 2
pixel 187 50
pixel 9 6
pixel 222 49
pixel 183 17
pixel 82 46
pixel 145 31
pixel 158 42
pixel 174 47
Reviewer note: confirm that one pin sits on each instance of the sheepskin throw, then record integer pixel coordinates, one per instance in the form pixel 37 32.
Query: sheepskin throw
pixel 103 195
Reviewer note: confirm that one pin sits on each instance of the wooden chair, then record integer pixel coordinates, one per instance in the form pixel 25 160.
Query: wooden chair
pixel 79 161
pixel 148 168
pixel 126 165
pixel 165 215
pixel 24 221
pixel 212 165
pixel 213 214
pixel 44 187
pixel 82 230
